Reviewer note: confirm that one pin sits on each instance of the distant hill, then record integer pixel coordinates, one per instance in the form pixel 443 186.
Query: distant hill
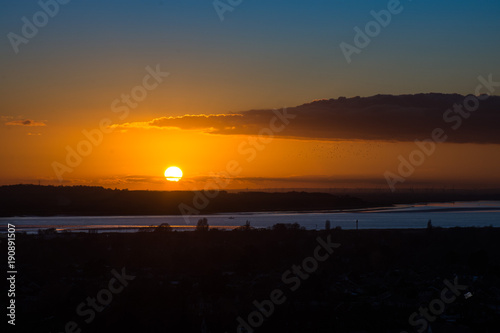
pixel 18 200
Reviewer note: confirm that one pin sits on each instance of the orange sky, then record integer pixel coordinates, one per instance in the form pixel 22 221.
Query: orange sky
pixel 103 67
pixel 137 158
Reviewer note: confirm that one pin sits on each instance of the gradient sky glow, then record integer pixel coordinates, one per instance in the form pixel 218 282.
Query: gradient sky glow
pixel 264 55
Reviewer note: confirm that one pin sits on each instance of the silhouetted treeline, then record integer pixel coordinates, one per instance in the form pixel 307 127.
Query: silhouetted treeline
pixel 18 200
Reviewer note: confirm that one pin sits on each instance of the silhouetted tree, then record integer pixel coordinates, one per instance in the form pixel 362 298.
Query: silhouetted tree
pixel 245 227
pixel 287 226
pixel 164 227
pixel 202 225
pixel 327 225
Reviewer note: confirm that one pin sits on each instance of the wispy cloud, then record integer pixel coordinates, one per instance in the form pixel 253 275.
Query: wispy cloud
pixel 25 122
pixel 212 122
pixel 381 118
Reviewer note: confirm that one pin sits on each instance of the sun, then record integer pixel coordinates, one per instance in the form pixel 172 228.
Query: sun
pixel 173 174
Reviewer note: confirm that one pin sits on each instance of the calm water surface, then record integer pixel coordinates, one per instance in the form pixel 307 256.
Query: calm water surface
pixel 458 214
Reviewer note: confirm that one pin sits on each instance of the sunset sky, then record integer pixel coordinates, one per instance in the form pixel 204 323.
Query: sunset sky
pixel 206 87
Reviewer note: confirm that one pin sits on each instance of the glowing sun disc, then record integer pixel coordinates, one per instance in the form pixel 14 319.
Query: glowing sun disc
pixel 173 174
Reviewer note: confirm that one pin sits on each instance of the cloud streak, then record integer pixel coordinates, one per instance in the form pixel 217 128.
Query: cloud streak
pixel 401 118
pixel 25 122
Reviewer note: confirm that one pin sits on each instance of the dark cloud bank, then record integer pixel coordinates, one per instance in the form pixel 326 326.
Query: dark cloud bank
pixel 381 117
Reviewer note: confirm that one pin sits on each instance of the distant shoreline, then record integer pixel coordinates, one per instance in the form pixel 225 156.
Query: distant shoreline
pixel 446 215
pixel 45 201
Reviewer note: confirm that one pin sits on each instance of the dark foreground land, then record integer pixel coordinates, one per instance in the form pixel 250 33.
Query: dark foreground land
pixel 203 281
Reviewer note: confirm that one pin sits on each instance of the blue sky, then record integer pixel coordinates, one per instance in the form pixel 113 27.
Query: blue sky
pixel 264 53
